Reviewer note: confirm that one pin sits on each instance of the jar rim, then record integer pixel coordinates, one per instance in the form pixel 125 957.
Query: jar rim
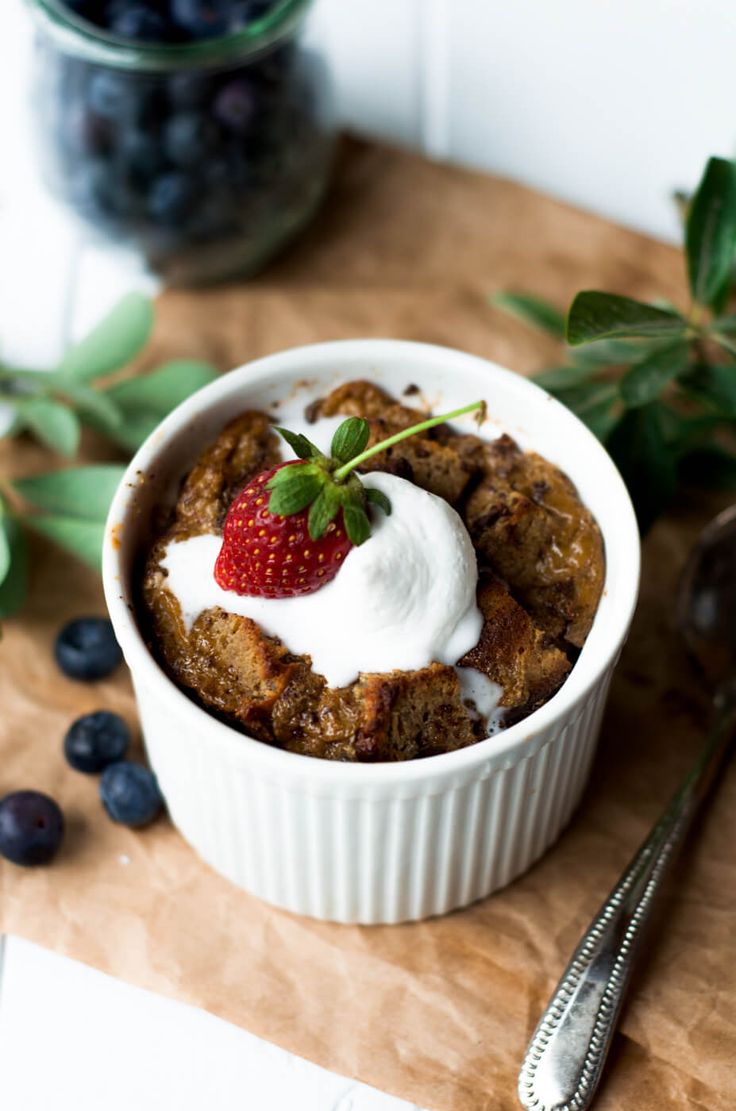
pixel 93 44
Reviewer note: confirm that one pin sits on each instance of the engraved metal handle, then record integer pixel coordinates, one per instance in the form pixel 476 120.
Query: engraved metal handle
pixel 565 1058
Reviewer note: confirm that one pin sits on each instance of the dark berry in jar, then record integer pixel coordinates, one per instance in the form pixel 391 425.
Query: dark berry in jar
pixel 86 649
pixel 171 198
pixel 189 138
pixel 203 18
pixel 235 105
pixel 95 740
pixel 138 22
pixel 130 794
pixel 31 827
pixel 188 90
pixel 140 154
pixel 110 94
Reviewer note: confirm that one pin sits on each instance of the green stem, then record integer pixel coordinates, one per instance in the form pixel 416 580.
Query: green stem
pixel 344 471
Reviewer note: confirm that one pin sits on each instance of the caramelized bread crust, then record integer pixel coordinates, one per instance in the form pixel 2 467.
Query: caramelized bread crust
pixel 527 525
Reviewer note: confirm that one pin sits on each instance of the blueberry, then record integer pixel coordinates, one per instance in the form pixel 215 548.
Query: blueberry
pixel 31 827
pixel 87 649
pixel 203 18
pixel 96 740
pixel 236 105
pixel 188 138
pixel 130 793
pixel 171 198
pixel 137 22
pixel 248 11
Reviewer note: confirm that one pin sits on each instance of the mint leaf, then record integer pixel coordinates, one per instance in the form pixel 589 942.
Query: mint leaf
pixel 710 231
pixel 646 380
pixel 82 538
pixel 300 445
pixel 595 315
pixel 532 310
pixel 52 423
pixel 14 583
pixel 378 498
pixel 84 493
pixel 295 494
pixel 323 510
pixel 357 525
pixel 350 439
pixel 117 339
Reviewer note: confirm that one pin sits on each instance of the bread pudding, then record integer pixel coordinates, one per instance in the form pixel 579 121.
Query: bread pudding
pixel 538 568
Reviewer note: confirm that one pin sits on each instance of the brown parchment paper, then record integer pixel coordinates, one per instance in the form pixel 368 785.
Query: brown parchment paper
pixel 438 1012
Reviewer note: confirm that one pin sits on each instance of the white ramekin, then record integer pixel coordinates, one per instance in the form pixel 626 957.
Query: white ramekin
pixel 373 842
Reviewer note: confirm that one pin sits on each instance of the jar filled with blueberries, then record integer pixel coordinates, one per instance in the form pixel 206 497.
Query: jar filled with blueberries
pixel 197 131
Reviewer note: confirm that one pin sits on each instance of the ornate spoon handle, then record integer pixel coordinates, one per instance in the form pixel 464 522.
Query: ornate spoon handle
pixel 566 1055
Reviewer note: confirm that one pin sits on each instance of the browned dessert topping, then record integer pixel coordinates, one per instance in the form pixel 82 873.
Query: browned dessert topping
pixel 541 565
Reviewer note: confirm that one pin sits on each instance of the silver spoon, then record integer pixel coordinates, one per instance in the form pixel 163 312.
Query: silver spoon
pixel 565 1058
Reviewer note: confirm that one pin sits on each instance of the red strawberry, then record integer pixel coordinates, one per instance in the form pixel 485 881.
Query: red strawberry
pixel 271 556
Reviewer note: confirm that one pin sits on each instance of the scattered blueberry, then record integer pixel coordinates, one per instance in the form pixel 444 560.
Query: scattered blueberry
pixel 31 827
pixel 235 105
pixel 189 138
pixel 171 198
pixel 130 794
pixel 203 19
pixel 86 649
pixel 96 740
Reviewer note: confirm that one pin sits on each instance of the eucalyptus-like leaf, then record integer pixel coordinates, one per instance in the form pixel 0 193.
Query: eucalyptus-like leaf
pixel 645 460
pixel 296 494
pixel 378 498
pixel 725 342
pixel 563 377
pixel 350 439
pixel 163 389
pixel 714 385
pixel 89 401
pixel 14 584
pixel 357 525
pixel 532 310
pixel 113 343
pixel 300 445
pixel 724 324
pixel 711 467
pixel 323 511
pixel 52 423
pixel 646 380
pixel 82 538
pixel 710 231
pixel 595 316
pixel 84 493
pixel 5 555
pixel 613 352
pixel 598 406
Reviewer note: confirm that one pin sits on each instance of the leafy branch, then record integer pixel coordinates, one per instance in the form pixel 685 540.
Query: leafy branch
pixel 657 385
pixel 88 388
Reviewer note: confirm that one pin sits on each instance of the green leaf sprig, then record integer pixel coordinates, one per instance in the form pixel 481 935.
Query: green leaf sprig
pixel 327 484
pixel 69 506
pixel 657 385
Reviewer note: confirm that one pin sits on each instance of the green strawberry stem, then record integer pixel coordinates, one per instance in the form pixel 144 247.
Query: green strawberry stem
pixel 343 471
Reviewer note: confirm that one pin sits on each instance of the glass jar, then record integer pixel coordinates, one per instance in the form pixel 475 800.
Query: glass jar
pixel 206 157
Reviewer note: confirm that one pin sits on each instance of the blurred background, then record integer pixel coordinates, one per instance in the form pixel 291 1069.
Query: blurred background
pixel 610 106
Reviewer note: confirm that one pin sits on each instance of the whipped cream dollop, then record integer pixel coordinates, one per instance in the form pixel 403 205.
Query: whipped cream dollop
pixel 404 598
